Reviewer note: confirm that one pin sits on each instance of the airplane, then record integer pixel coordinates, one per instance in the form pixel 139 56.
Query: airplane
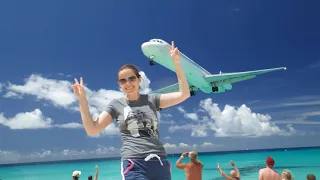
pixel 197 77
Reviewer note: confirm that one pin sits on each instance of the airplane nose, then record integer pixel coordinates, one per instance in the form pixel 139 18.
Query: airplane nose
pixel 144 45
pixel 154 49
pixel 144 48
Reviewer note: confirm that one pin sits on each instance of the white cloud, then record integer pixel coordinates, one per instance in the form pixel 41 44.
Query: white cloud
pixel 72 125
pixel 56 91
pixel 145 83
pixel 99 100
pixel 100 151
pixel 167 122
pixel 311 113
pixel 301 118
pixel 13 95
pixel 252 102
pixel 207 144
pixel 163 118
pixel 183 147
pixel 60 94
pixel 32 120
pixel 66 75
pixel 307 103
pixel 197 130
pixel 177 148
pixel 167 145
pixel 192 116
pixel 27 120
pixel 41 154
pixel 300 101
pixel 232 121
pixel 62 154
pixel 9 156
pixel 293 116
pixel 73 153
pixel 110 130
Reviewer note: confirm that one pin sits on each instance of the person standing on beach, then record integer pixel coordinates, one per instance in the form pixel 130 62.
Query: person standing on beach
pixel 234 174
pixel 311 177
pixel 76 175
pixel 286 175
pixel 143 155
pixel 96 176
pixel 193 169
pixel 268 173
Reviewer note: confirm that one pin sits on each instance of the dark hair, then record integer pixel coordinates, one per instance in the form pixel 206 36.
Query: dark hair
pixel 89 177
pixel 132 67
pixel 311 177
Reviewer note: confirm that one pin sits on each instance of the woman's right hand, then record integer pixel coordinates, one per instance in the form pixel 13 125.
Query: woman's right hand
pixel 78 89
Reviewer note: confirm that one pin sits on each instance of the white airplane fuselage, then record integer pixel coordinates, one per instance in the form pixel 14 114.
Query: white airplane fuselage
pixel 198 77
pixel 158 52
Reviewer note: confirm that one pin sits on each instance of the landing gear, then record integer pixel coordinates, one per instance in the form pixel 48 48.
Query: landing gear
pixel 151 62
pixel 215 89
pixel 192 93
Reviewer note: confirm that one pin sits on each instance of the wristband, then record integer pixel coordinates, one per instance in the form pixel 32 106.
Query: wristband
pixel 182 156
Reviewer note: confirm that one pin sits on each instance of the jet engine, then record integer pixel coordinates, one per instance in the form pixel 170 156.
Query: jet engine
pixel 227 86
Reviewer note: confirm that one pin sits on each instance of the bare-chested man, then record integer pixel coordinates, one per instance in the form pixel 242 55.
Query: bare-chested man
pixel 234 174
pixel 193 169
pixel 268 173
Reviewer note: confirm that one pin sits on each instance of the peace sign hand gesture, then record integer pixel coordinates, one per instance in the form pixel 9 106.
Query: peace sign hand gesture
pixel 174 52
pixel 79 89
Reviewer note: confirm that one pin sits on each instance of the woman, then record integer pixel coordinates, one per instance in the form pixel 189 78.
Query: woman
pixel 286 175
pixel 143 156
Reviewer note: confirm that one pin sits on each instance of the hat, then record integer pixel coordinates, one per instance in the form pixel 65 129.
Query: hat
pixel 270 161
pixel 76 173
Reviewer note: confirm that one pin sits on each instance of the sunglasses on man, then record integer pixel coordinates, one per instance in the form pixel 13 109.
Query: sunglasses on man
pixel 130 79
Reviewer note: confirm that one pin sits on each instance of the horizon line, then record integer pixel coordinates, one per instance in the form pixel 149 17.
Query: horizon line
pixel 168 154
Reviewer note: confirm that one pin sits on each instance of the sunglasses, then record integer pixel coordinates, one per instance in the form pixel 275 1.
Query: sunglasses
pixel 130 79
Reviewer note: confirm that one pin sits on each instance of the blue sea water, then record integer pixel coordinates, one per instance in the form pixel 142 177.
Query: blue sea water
pixel 299 161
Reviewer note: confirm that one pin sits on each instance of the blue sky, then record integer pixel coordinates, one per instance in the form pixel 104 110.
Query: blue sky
pixel 44 45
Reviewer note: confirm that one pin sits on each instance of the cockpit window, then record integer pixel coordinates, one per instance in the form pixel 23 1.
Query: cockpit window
pixel 156 40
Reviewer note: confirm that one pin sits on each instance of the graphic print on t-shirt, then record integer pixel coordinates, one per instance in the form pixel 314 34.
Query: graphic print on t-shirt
pixel 140 121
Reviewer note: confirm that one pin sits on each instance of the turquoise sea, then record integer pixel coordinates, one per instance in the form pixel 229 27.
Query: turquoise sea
pixel 300 161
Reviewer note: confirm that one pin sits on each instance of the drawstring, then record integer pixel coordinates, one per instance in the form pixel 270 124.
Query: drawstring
pixel 152 156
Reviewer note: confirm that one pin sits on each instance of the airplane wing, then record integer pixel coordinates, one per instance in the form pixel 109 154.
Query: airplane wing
pixel 224 78
pixel 171 88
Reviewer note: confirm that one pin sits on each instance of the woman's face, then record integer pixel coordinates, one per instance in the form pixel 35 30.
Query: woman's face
pixel 128 81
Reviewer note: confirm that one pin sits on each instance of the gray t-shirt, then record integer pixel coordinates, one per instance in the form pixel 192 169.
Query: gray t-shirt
pixel 138 124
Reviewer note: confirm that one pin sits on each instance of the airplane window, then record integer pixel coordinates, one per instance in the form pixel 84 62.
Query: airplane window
pixel 156 40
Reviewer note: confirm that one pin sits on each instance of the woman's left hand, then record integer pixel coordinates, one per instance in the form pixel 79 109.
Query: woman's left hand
pixel 174 53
